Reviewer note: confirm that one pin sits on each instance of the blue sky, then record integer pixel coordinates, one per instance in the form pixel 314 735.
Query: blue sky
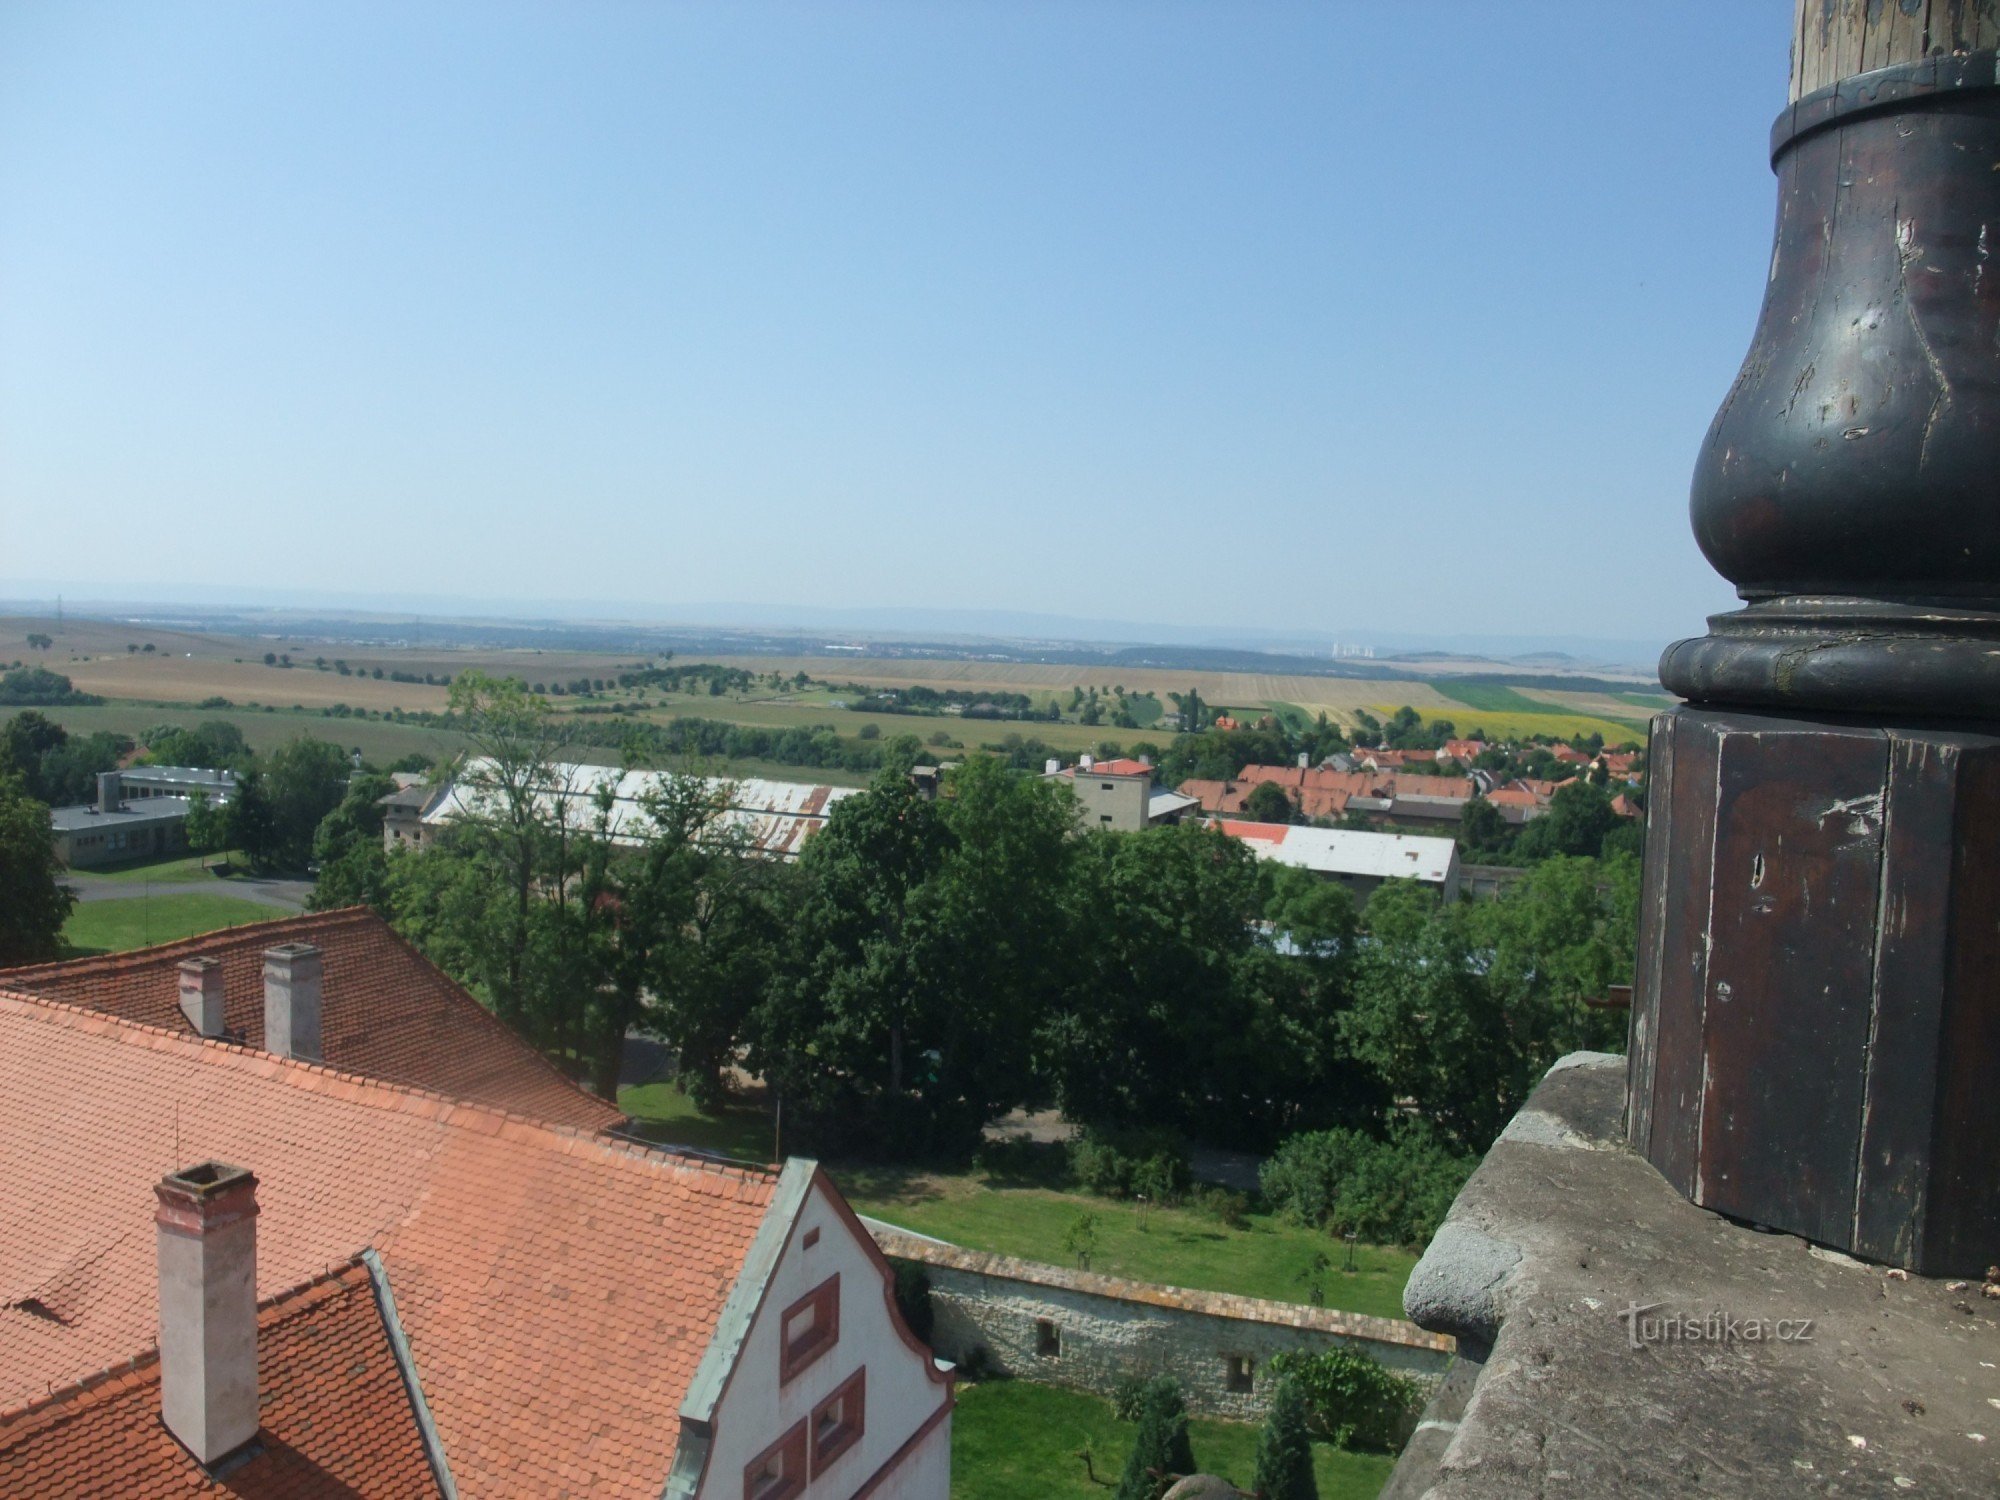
pixel 1313 317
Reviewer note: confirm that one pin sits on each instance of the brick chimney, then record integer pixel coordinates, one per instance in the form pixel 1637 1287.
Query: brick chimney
pixel 206 1226
pixel 201 994
pixel 110 787
pixel 292 1001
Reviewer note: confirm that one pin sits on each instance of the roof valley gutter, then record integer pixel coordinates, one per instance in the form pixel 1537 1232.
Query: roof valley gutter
pixel 385 1302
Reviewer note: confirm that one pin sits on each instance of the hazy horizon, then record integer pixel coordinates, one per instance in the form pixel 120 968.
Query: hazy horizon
pixel 1281 318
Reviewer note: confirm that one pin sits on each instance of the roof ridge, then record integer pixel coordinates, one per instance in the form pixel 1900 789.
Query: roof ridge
pixel 359 1088
pixel 112 962
pixel 461 994
pixel 133 1371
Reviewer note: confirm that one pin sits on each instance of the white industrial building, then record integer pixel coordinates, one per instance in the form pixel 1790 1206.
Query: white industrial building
pixel 770 817
pixel 1358 860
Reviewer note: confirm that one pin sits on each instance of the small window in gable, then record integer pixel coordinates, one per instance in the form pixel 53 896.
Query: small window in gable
pixel 837 1422
pixel 811 1326
pixel 779 1472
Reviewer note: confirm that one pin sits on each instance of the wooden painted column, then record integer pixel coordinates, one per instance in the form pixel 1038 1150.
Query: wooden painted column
pixel 1816 1020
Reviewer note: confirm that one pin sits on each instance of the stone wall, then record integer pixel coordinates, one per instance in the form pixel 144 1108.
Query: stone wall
pixel 1090 1331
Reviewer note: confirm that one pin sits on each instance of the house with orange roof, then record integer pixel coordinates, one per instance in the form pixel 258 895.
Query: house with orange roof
pixel 1119 794
pixel 350 1286
pixel 349 992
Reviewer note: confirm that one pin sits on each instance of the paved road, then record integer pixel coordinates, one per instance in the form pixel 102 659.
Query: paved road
pixel 287 895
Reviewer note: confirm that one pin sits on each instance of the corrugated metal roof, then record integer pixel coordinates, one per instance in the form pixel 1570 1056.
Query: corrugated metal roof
pixel 775 817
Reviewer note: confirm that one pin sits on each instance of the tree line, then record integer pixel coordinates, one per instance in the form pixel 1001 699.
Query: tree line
pixel 927 965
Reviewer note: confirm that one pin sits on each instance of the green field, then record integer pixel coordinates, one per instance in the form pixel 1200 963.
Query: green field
pixel 1506 724
pixel 1492 697
pixel 141 921
pixel 1014 1441
pixel 379 740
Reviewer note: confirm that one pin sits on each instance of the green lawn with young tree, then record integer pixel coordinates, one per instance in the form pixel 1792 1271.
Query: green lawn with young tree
pixel 1014 1441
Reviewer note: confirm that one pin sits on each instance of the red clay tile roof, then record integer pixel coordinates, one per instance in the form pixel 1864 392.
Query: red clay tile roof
pixel 336 1416
pixel 557 1288
pixel 387 1011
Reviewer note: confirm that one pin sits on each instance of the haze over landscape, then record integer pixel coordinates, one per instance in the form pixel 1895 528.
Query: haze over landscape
pixel 1009 310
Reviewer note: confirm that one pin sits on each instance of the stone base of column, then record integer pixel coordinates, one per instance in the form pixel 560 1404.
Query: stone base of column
pixel 1816 1013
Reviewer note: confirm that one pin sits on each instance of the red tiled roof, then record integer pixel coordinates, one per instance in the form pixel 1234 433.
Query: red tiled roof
pixel 335 1415
pixel 386 1011
pixel 1261 833
pixel 1123 767
pixel 557 1289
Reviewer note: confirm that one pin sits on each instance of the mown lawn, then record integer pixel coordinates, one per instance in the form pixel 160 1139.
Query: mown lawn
pixel 667 1116
pixel 1030 1217
pixel 179 869
pixel 140 921
pixel 1177 1246
pixel 1014 1441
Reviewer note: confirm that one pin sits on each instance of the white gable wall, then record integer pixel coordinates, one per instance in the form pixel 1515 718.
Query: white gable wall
pixel 904 1389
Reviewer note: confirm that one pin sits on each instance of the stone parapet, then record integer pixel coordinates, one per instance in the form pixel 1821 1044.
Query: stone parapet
pixel 1616 1339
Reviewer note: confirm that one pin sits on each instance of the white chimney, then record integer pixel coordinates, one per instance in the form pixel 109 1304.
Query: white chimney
pixel 1085 762
pixel 292 1001
pixel 110 785
pixel 201 994
pixel 1051 766
pixel 206 1226
pixel 1305 760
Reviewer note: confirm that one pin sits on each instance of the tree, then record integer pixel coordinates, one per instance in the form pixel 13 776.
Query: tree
pixel 1578 818
pixel 33 903
pixel 207 825
pixel 1157 1015
pixel 1482 831
pixel 1268 803
pixel 1284 1449
pixel 1161 1450
pixel 519 743
pixel 252 824
pixel 306 779
pixel 347 847
pixel 26 742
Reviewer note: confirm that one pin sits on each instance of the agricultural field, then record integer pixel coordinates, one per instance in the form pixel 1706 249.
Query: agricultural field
pixel 187 668
pixel 1513 713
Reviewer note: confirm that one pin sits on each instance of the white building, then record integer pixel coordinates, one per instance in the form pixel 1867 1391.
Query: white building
pixel 771 817
pixel 1358 860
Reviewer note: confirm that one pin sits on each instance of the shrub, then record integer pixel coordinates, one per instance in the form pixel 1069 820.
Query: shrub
pixel 1386 1192
pixel 1227 1207
pixel 1161 1447
pixel 1349 1398
pixel 1284 1448
pixel 1118 1164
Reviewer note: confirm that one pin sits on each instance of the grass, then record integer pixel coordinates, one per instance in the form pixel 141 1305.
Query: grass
pixel 1029 1216
pixel 666 1115
pixel 1014 1441
pixel 114 926
pixel 1176 1246
pixel 175 869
